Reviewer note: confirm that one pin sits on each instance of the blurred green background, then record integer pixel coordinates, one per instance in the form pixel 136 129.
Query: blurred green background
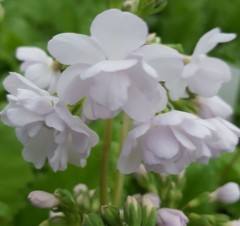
pixel 33 23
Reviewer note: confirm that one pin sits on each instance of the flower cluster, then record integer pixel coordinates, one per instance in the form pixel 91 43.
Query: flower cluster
pixel 114 70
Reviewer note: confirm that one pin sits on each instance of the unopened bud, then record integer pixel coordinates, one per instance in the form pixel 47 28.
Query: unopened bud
pixel 111 215
pixel 166 216
pixel 92 219
pixel 42 199
pixel 127 5
pixel 79 188
pixel 233 223
pixel 148 213
pixel 153 39
pixel 154 198
pixel 227 194
pixel 132 212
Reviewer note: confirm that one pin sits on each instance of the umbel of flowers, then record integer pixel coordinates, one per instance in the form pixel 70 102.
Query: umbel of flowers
pixel 171 100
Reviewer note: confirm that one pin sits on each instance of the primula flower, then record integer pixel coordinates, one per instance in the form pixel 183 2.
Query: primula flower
pixel 213 107
pixel 110 69
pixel 38 67
pixel 171 217
pixel 203 71
pixel 227 194
pixel 226 136
pixel 167 144
pixel 44 126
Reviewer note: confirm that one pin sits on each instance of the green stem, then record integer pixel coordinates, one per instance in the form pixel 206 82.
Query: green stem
pixel 105 163
pixel 119 179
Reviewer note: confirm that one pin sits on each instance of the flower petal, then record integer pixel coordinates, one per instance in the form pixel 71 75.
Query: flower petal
pixel 71 88
pixel 71 48
pixel 210 40
pixel 108 66
pixel 130 163
pixel 212 73
pixel 39 147
pixel 110 90
pixel 165 60
pixel 32 54
pixel 119 33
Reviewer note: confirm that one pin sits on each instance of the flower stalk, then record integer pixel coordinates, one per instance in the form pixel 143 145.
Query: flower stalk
pixel 117 191
pixel 104 168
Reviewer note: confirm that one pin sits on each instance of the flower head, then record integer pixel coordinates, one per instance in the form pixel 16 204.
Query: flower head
pixel 202 71
pixel 167 144
pixel 39 68
pixel 110 67
pixel 45 126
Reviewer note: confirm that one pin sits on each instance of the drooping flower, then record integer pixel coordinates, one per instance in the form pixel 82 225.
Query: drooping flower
pixel 171 217
pixel 213 107
pixel 167 144
pixel 110 69
pixel 45 126
pixel 203 71
pixel 227 194
pixel 226 136
pixel 39 68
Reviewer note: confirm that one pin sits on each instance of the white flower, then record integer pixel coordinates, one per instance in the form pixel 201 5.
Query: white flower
pixel 167 144
pixel 225 137
pixel 42 199
pixel 110 68
pixel 227 194
pixel 203 75
pixel 213 107
pixel 39 67
pixel 45 127
pixel 171 217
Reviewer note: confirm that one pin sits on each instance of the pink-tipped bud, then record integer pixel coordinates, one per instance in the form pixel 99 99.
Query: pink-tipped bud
pixel 42 199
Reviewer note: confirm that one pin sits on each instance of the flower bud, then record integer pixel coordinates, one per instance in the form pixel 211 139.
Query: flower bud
pixel 148 212
pixel 80 187
pixel 111 215
pixel 132 212
pixel 154 198
pixel 233 223
pixel 227 194
pixel 92 219
pixel 42 199
pixel 169 217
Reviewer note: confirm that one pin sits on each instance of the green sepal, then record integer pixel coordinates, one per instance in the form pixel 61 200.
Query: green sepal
pixel 111 216
pixel 92 219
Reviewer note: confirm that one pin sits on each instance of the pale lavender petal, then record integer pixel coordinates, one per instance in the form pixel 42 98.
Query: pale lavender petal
pixel 119 33
pixel 71 48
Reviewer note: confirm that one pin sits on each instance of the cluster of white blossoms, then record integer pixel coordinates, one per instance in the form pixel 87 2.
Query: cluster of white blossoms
pixel 113 70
